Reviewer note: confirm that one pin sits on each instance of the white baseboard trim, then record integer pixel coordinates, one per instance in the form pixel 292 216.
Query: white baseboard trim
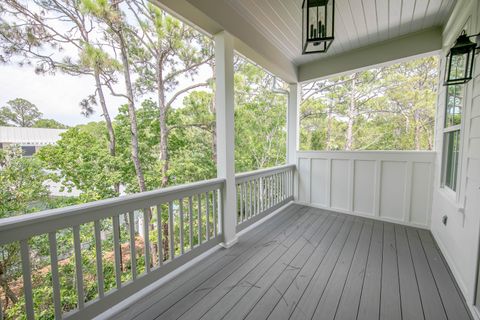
pixel 368 216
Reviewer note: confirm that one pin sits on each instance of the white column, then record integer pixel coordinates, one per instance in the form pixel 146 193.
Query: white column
pixel 224 102
pixel 293 130
pixel 292 122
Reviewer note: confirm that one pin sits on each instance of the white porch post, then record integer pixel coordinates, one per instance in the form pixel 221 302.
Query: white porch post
pixel 224 102
pixel 292 129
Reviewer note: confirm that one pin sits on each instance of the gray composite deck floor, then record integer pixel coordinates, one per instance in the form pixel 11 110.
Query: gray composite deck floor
pixel 307 263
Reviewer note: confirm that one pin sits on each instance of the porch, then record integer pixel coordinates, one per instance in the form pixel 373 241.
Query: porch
pixel 329 235
pixel 308 263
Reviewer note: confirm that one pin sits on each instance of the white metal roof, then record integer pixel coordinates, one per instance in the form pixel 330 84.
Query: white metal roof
pixel 29 136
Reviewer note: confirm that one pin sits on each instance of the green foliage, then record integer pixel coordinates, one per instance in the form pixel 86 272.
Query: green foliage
pixel 21 182
pixel 81 160
pixel 49 123
pixel 20 112
pixel 389 108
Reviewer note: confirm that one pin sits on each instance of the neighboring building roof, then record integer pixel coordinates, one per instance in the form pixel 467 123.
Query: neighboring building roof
pixel 29 136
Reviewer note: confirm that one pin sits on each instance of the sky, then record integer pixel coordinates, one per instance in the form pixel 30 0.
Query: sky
pixel 58 96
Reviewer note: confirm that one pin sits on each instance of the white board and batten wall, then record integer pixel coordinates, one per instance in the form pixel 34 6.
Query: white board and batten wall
pixel 393 186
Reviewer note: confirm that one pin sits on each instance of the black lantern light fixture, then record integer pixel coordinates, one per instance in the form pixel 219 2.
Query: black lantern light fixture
pixel 317 25
pixel 460 59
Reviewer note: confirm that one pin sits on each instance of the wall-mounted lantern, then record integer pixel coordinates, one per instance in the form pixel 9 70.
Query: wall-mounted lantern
pixel 317 25
pixel 460 59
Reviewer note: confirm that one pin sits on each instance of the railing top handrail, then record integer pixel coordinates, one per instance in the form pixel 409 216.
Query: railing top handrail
pixel 81 213
pixel 263 172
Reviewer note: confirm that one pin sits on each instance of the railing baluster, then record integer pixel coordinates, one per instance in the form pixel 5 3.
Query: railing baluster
pixel 133 254
pixel 199 199
pixel 254 181
pixel 160 235
pixel 116 251
pixel 27 279
pixel 182 250
pixel 215 213
pixel 190 220
pixel 207 205
pixel 250 211
pixel 171 231
pixel 98 257
pixel 146 228
pixel 242 204
pixel 52 241
pixel 78 266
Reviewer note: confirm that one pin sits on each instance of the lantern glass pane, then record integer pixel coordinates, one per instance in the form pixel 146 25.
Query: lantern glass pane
pixel 458 66
pixel 453 111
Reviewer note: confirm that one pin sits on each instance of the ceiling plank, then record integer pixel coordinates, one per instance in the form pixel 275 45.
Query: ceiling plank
pixel 414 44
pixel 248 40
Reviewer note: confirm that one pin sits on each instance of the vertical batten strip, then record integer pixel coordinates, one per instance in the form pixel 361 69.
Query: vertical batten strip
pixel 190 221
pixel 98 257
pixel 215 213
pixel 160 235
pixel 52 241
pixel 78 267
pixel 240 218
pixel 27 279
pixel 146 229
pixel 207 205
pixel 116 251
pixel 171 231
pixel 182 250
pixel 133 255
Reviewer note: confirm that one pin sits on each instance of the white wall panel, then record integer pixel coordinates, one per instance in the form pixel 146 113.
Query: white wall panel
pixel 304 180
pixel 387 185
pixel 392 192
pixel 364 187
pixel 320 181
pixel 339 184
pixel 421 190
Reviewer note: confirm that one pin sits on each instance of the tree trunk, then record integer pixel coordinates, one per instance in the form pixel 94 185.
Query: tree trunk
pixel 416 118
pixel 131 113
pixel 351 114
pixel 108 121
pixel 329 128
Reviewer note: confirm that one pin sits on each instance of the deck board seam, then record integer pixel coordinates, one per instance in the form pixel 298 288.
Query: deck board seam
pixel 306 261
pixel 363 277
pixel 316 269
pixel 336 260
pixel 336 264
pixel 310 213
pixel 283 224
pixel 431 272
pixel 415 273
pixel 314 272
pixel 322 216
pixel 398 271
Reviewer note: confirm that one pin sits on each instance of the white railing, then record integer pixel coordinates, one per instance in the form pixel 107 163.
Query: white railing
pixel 144 236
pixel 262 192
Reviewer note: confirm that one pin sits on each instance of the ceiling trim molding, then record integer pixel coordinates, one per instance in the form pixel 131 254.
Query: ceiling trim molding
pixel 414 44
pixel 213 16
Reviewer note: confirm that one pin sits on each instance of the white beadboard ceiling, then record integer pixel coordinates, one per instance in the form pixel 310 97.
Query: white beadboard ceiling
pixel 358 23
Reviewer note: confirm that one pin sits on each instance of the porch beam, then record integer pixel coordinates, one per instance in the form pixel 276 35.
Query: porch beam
pixel 224 102
pixel 414 44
